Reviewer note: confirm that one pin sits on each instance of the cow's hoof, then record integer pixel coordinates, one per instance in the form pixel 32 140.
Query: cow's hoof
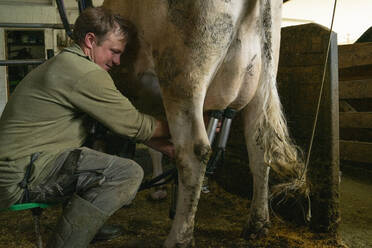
pixel 160 193
pixel 256 230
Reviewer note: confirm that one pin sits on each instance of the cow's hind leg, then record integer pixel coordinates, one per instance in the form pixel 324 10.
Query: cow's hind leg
pixel 266 131
pixel 258 221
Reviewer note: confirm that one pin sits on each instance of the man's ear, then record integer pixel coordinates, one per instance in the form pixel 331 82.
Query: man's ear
pixel 89 40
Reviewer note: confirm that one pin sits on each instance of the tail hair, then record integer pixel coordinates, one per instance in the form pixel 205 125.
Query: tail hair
pixel 271 132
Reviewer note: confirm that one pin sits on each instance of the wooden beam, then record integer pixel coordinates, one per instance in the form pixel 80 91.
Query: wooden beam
pixel 355 120
pixel 356 151
pixel 357 54
pixel 344 106
pixel 355 89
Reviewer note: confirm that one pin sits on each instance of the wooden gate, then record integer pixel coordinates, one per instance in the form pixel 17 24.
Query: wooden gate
pixel 355 93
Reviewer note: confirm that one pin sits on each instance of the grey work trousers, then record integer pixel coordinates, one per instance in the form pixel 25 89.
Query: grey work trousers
pixel 106 181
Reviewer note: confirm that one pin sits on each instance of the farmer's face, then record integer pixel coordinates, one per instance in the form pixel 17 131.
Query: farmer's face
pixel 107 53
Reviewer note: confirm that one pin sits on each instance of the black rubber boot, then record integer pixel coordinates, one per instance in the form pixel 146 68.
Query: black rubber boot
pixel 108 232
pixel 78 224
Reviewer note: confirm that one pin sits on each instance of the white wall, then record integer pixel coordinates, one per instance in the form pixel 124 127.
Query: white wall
pixel 27 13
pixel 352 17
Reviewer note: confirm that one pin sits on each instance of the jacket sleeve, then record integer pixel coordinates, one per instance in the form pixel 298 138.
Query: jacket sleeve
pixel 95 94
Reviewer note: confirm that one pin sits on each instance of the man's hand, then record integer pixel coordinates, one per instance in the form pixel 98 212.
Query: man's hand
pixel 160 140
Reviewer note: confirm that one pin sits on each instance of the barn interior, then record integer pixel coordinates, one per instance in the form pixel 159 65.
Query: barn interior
pixel 340 166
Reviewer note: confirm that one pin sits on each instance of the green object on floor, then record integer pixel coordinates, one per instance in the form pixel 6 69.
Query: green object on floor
pixel 24 206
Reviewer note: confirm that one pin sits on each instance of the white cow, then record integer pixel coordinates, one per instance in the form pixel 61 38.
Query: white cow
pixel 214 54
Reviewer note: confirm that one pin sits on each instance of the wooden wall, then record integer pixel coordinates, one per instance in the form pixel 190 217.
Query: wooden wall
pixel 355 66
pixel 302 56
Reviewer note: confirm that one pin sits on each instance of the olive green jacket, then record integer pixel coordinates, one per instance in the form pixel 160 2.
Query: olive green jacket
pixel 47 113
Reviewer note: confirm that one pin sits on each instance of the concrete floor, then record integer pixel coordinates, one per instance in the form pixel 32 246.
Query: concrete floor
pixel 356 206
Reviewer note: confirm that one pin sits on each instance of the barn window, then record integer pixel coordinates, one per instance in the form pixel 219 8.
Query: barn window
pixel 23 45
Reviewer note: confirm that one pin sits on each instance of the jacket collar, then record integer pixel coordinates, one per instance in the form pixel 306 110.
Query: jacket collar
pixel 75 48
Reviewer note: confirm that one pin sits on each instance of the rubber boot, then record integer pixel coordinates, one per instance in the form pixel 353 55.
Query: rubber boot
pixel 78 224
pixel 108 232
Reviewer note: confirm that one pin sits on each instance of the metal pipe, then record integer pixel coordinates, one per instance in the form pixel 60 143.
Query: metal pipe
pixel 229 114
pixel 31 25
pixel 62 14
pixel 224 135
pixel 211 130
pixel 22 62
pixel 215 116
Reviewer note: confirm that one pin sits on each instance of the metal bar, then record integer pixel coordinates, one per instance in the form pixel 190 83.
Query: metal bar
pixel 22 62
pixel 39 240
pixel 31 25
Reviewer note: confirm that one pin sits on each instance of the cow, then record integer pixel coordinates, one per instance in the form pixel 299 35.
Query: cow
pixel 210 55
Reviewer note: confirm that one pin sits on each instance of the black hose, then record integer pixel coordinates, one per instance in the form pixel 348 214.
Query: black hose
pixel 62 14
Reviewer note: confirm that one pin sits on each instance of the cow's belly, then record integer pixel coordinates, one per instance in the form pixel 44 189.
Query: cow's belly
pixel 235 81
pixel 237 78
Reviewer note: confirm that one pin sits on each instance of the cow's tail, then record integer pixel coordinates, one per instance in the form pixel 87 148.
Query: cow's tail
pixel 271 132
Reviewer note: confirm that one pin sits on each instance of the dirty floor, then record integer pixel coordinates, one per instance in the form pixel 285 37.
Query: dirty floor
pixel 356 205
pixel 219 221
